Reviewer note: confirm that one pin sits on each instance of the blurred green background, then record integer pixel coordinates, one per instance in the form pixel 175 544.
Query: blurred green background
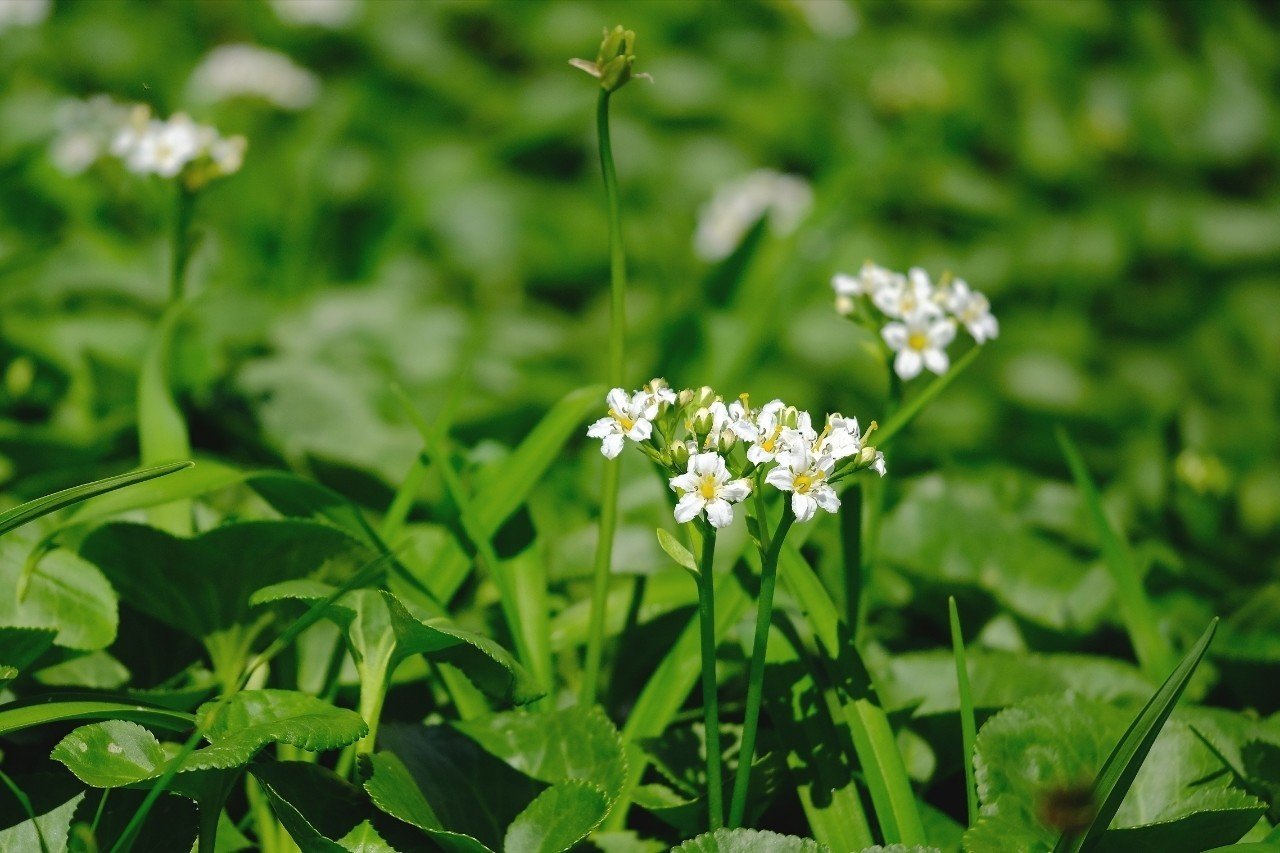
pixel 1105 172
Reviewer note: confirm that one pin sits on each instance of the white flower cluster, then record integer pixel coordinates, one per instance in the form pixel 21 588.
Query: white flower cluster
pixel 176 147
pixel 696 436
pixel 244 70
pixel 23 13
pixel 922 314
pixel 725 220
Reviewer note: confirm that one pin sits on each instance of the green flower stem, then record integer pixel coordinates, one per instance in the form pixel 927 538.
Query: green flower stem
pixel 180 250
pixel 612 474
pixel 855 577
pixel 710 702
pixel 755 678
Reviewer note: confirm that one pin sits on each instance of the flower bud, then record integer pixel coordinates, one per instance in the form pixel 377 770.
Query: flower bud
pixel 844 305
pixel 705 396
pixel 684 398
pixel 702 422
pixel 613 61
pixel 726 440
pixel 679 456
pixel 789 417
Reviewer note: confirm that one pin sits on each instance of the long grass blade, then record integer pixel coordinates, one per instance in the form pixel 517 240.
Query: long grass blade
pixel 968 724
pixel 31 510
pixel 1153 651
pixel 1124 762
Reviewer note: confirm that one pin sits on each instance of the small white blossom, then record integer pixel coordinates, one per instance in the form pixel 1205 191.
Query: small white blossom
pixel 630 416
pixel 870 280
pixel 707 487
pixel 737 206
pixel 660 391
pixel 85 131
pixel 841 438
pixel 23 13
pixel 244 70
pixel 920 342
pixel 332 14
pixel 973 311
pixel 909 297
pixel 804 474
pixel 164 148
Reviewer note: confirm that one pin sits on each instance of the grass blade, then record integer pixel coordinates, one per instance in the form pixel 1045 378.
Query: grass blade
pixel 17 716
pixel 906 413
pixel 31 510
pixel 1124 762
pixel 1152 649
pixel 968 725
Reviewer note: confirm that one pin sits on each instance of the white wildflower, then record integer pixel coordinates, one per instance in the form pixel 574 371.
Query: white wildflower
pixel 630 416
pixel 920 342
pixel 23 13
pixel 660 391
pixel 86 129
pixel 736 207
pixel 906 298
pixel 244 70
pixel 804 474
pixel 841 438
pixel 332 14
pixel 707 488
pixel 972 310
pixel 165 147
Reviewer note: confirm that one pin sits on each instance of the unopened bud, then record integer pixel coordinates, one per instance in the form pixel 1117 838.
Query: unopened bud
pixel 844 305
pixel 702 422
pixel 705 396
pixel 613 61
pixel 727 440
pixel 789 417
pixel 685 397
pixel 679 456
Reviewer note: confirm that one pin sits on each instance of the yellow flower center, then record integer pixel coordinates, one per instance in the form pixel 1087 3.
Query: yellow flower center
pixel 707 487
pixel 918 340
pixel 803 483
pixel 626 422
pixel 772 441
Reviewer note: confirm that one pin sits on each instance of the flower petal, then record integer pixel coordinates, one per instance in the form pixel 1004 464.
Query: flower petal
pixel 895 335
pixel 803 506
pixel 936 360
pixel 602 427
pixel 689 507
pixel 826 497
pixel 612 445
pixel 781 477
pixel 685 483
pixel 735 491
pixel 719 513
pixel 907 364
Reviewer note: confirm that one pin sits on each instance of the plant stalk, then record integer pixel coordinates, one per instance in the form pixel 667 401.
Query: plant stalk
pixel 612 473
pixel 755 677
pixel 180 249
pixel 710 701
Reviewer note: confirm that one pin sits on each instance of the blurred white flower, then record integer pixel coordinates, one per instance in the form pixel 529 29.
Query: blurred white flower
pixel 972 310
pixel 333 14
pixel 23 13
pixel 906 298
pixel 725 220
pixel 245 70
pixel 164 148
pixel 85 131
pixel 707 487
pixel 920 341
pixel 630 416
pixel 804 474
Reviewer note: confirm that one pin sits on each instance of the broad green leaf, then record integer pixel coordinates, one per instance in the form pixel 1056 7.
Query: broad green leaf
pixel 1151 647
pixel 202 585
pixel 20 647
pixel 63 593
pixel 557 819
pixel 52 826
pixel 1125 761
pixel 676 551
pixel 820 771
pixel 93 671
pixel 111 754
pixel 32 510
pixel 749 841
pixel 171 822
pixel 555 746
pixel 998 679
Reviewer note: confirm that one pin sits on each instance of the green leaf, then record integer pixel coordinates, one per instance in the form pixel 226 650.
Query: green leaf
pixel 64 593
pixel 749 841
pixel 162 430
pixel 555 746
pixel 31 510
pixel 20 647
pixel 202 585
pixel 1124 762
pixel 557 819
pixel 380 627
pixel 968 724
pixel 17 716
pixel 676 551
pixel 111 754
pixel 1151 647
pixel 93 671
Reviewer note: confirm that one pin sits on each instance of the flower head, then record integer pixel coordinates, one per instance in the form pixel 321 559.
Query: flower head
pixel 708 487
pixel 630 416
pixel 725 220
pixel 973 311
pixel 244 70
pixel 921 341
pixel 804 474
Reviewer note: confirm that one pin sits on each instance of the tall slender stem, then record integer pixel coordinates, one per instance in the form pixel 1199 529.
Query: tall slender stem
pixel 755 677
pixel 851 540
pixel 612 474
pixel 180 248
pixel 710 701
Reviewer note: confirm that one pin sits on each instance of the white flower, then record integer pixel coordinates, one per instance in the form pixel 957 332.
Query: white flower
pixel 737 206
pixel 166 147
pixel 23 13
pixel 804 474
pixel 921 341
pixel 333 14
pixel 630 416
pixel 239 70
pixel 660 391
pixel 870 280
pixel 706 487
pixel 86 129
pixel 841 438
pixel 905 298
pixel 878 464
pixel 973 311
